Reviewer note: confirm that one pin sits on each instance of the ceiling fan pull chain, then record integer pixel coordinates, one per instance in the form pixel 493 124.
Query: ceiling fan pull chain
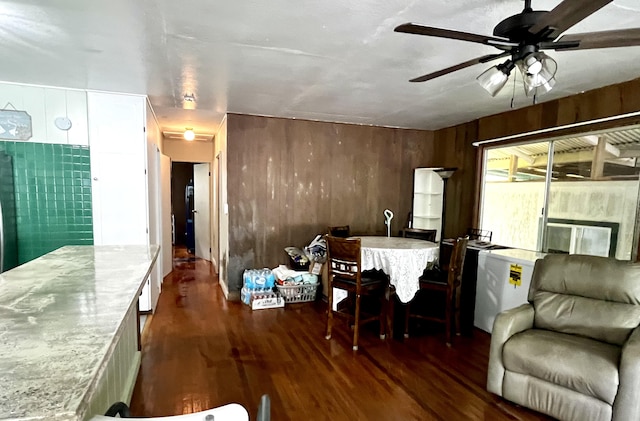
pixel 513 94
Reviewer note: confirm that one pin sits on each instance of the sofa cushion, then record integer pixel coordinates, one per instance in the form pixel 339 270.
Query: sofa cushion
pixel 577 363
pixel 597 319
pixel 556 401
pixel 590 296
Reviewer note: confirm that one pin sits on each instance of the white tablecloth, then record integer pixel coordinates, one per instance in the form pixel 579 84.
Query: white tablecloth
pixel 402 259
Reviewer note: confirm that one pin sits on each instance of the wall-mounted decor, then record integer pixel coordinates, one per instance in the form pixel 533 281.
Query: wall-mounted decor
pixel 14 124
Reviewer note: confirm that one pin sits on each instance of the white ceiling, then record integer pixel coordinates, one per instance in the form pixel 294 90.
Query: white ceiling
pixel 330 60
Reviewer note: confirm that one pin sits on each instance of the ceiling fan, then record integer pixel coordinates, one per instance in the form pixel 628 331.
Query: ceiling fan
pixel 523 36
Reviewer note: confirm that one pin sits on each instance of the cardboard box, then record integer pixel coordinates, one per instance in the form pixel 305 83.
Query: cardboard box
pixel 269 301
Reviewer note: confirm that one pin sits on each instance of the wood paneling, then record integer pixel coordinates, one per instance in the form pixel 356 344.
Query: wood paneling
pixel 200 351
pixel 290 179
pixel 453 148
pixel 600 103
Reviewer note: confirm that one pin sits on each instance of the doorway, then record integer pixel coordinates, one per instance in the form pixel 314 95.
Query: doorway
pixel 190 208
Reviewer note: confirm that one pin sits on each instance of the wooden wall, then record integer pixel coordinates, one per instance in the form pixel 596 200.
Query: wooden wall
pixel 290 179
pixel 600 103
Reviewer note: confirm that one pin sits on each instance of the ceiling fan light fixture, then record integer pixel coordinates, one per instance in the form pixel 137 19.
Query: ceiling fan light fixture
pixel 189 134
pixel 538 87
pixel 543 79
pixel 494 78
pixel 531 64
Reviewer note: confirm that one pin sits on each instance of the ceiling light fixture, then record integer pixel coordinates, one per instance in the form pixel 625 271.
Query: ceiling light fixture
pixel 189 134
pixel 538 72
pixel 494 78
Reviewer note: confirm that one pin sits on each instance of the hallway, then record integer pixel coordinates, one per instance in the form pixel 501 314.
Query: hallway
pixel 200 351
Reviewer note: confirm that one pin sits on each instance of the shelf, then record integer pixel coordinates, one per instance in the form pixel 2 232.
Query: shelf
pixel 428 197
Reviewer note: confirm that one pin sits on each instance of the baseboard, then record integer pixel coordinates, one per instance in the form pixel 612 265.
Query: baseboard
pixel 224 288
pixel 229 295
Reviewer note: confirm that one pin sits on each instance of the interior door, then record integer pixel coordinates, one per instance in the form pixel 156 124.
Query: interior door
pixel 201 217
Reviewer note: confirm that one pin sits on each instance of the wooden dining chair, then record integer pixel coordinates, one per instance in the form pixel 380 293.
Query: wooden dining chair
pixel 478 234
pixel 420 234
pixel 345 272
pixel 446 283
pixel 342 231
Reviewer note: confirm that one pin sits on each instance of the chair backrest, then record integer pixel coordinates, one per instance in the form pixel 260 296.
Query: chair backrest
pixel 343 231
pixel 456 263
pixel 343 256
pixel 596 297
pixel 478 234
pixel 420 234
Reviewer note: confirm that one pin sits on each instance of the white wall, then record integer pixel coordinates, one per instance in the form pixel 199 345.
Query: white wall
pixel 183 151
pixel 44 105
pixel 512 210
pixel 222 206
pixel 201 152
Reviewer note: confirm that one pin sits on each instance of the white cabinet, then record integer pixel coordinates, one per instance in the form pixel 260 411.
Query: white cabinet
pixel 118 151
pixel 428 195
pixel 118 166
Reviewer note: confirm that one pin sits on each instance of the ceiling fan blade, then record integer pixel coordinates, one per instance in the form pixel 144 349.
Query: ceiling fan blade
pixel 564 16
pixel 413 28
pixel 603 39
pixel 477 60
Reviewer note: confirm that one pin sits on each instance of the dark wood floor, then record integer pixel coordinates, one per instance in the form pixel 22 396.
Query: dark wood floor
pixel 200 351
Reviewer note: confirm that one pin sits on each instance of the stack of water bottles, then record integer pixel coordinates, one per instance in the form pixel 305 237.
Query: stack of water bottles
pixel 258 289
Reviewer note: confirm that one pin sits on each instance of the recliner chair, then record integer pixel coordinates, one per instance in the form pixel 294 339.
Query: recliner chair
pixel 572 352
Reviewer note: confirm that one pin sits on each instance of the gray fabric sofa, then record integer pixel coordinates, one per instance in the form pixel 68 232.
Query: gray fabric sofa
pixel 572 352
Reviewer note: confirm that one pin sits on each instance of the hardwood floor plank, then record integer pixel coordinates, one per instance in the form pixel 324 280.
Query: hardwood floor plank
pixel 200 351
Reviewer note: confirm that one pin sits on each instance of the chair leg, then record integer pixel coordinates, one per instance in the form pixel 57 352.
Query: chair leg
pixel 407 313
pixel 329 312
pixel 357 323
pixel 390 311
pixel 456 311
pixel 447 316
pixel 382 318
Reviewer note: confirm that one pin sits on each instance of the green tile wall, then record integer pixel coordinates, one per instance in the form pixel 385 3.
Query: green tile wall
pixel 53 196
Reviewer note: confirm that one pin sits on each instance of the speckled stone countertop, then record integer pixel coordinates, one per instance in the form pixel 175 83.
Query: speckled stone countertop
pixel 59 316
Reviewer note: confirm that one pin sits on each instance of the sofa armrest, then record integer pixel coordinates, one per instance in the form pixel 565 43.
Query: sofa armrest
pixel 627 404
pixel 506 324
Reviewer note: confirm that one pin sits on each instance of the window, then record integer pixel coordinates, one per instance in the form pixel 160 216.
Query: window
pixel 584 200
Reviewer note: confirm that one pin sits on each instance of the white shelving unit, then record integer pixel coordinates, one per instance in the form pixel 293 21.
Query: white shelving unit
pixel 428 195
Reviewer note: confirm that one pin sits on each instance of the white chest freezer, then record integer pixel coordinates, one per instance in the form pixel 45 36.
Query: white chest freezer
pixel 503 282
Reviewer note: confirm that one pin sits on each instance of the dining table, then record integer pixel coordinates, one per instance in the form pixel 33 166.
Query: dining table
pixel 403 260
